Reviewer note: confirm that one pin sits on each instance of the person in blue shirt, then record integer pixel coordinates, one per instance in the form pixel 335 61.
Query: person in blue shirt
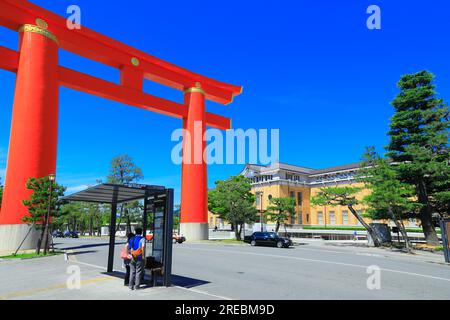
pixel 127 262
pixel 136 246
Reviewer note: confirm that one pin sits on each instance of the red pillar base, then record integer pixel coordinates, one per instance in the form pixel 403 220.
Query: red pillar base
pixel 195 231
pixel 11 235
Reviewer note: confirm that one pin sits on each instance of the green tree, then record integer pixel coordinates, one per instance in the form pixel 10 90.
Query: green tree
pixel 233 201
pixel 70 216
pixel 279 210
pixel 389 197
pixel 124 171
pixel 344 196
pixel 39 203
pixel 83 217
pixel 419 133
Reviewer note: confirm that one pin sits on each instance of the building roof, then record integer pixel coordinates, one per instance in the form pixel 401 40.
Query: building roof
pixel 338 168
pixel 298 169
pixel 110 193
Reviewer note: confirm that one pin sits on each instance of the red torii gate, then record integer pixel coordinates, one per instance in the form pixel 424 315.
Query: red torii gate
pixel 34 129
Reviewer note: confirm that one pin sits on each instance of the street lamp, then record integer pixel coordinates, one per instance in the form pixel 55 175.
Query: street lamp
pixel 52 179
pixel 261 219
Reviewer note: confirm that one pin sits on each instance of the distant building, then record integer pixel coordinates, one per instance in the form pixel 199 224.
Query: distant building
pixel 283 180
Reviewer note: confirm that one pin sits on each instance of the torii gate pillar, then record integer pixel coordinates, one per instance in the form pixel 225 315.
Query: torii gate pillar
pixel 194 184
pixel 34 129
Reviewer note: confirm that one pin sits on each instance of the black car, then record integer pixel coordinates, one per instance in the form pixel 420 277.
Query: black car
pixel 57 234
pixel 71 234
pixel 268 239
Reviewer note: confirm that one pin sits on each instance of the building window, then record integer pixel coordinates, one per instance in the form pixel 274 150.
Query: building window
pixel 307 218
pixel 292 194
pixel 332 218
pixel 319 217
pixel 270 197
pixel 300 218
pixel 345 217
pixel 258 199
pixel 300 198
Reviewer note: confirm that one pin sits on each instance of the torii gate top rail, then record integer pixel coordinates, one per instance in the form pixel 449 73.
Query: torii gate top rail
pixel 135 65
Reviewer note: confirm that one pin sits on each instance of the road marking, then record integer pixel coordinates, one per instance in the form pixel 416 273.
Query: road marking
pixel 20 294
pixel 203 292
pixel 89 265
pixel 324 261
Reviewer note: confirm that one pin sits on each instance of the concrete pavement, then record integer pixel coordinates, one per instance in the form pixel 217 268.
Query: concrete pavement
pixel 220 271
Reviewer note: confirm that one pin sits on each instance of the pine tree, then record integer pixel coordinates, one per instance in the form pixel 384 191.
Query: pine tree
pixel 39 203
pixel 345 196
pixel 279 210
pixel 233 201
pixel 123 170
pixel 389 198
pixel 419 133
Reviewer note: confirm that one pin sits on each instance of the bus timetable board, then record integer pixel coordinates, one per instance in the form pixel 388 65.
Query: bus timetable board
pixel 161 206
pixel 158 236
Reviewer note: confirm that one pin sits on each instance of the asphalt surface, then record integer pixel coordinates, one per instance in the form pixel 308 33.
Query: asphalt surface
pixel 307 271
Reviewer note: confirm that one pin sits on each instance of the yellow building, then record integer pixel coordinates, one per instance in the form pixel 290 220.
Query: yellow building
pixel 283 180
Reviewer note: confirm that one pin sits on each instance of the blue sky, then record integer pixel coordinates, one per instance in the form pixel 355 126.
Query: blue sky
pixel 309 68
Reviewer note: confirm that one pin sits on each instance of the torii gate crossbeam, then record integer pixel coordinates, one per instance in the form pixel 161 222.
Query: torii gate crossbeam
pixel 34 129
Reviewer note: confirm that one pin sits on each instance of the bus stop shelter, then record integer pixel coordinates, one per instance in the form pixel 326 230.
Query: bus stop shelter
pixel 116 194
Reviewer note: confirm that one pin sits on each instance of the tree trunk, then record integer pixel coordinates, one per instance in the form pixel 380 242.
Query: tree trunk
pixel 120 217
pixel 91 226
pixel 373 234
pixel 426 216
pixel 127 217
pixel 237 232
pixel 99 227
pixel 277 228
pixel 402 230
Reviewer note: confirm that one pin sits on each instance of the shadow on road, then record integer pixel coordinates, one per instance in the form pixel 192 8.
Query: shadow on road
pixel 177 280
pixel 86 246
pixel 83 252
pixel 186 282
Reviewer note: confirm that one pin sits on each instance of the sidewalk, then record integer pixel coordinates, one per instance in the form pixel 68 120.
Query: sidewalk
pixel 360 247
pixel 46 279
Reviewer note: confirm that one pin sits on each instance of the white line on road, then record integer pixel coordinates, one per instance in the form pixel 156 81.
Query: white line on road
pixel 90 265
pixel 204 292
pixel 322 261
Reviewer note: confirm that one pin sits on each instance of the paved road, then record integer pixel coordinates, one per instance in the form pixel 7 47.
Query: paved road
pixel 308 271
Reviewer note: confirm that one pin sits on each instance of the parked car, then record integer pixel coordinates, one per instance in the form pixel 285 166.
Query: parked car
pixel 57 234
pixel 176 238
pixel 71 234
pixel 268 239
